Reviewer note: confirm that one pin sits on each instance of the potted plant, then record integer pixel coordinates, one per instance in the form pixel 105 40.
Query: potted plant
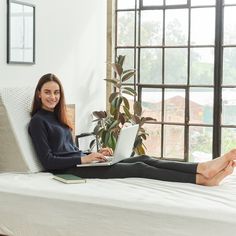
pixel 121 113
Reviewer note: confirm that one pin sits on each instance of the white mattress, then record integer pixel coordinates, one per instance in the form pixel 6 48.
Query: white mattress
pixel 35 204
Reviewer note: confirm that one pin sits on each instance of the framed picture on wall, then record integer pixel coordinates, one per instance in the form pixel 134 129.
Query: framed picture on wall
pixel 20 32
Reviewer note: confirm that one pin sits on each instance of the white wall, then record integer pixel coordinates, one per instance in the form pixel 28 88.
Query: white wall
pixel 71 43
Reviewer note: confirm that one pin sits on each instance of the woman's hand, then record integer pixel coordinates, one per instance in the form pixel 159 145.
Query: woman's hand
pixel 106 151
pixel 95 156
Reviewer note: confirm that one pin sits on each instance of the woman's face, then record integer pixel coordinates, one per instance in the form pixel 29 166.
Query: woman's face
pixel 49 95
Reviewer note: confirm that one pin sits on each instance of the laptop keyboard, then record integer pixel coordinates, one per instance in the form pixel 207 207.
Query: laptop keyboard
pixel 108 159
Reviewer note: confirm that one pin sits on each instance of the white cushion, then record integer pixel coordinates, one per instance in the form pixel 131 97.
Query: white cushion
pixel 16 150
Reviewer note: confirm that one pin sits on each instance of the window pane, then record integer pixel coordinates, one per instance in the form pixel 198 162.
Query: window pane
pixel 203 26
pixel 176 65
pixel 174 105
pixel 229 25
pixel 230 1
pixel 152 3
pixel 152 103
pixel 200 144
pixel 202 66
pixel 229 66
pixel 228 139
pixel 201 106
pixel 150 66
pixel 151 27
pixel 202 2
pixel 229 106
pixel 175 2
pixel 153 141
pixel 125 28
pixel 125 4
pixel 173 141
pixel 176 27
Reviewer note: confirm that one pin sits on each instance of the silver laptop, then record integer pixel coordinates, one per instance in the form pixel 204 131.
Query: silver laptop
pixel 123 150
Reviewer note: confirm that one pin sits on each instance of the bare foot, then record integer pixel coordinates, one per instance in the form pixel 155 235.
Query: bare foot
pixel 233 163
pixel 211 168
pixel 218 177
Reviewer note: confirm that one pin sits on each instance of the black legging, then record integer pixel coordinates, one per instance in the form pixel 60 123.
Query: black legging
pixel 141 167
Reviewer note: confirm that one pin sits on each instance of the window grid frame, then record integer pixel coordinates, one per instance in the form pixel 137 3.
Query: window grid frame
pixel 217 85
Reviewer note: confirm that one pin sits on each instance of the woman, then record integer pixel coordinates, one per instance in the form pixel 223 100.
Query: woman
pixel 50 132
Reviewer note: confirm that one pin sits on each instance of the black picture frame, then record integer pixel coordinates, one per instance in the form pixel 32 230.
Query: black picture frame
pixel 20 32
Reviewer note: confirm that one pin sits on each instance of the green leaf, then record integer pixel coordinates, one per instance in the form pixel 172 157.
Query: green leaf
pixel 146 119
pixel 113 107
pixel 137 108
pixel 149 118
pixel 114 124
pixel 113 81
pixel 120 59
pixel 127 92
pixel 100 132
pixel 96 120
pixel 121 118
pixel 140 150
pixel 136 119
pixel 116 114
pixel 127 71
pixel 127 76
pixel 143 136
pixel 118 85
pixel 126 102
pixel 113 103
pixel 130 90
pixel 92 144
pixel 138 141
pixel 103 135
pixel 112 96
pixel 118 102
pixel 109 121
pixel 117 68
pixel 126 110
pixel 112 110
pixel 112 142
pixel 97 129
pixel 107 136
pixel 144 146
pixel 141 130
pixel 100 114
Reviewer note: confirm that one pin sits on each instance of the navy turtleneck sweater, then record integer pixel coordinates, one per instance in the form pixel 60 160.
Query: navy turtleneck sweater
pixel 53 142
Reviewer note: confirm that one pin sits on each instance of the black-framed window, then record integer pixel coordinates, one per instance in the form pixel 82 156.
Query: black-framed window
pixel 184 52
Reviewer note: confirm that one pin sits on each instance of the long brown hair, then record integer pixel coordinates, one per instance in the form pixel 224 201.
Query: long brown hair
pixel 60 109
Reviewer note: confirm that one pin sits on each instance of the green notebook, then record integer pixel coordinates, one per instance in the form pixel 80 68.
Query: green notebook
pixel 69 179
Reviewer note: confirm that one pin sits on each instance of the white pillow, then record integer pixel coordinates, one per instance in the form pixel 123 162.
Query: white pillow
pixel 16 150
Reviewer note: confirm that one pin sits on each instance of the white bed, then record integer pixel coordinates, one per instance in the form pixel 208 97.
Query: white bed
pixel 33 204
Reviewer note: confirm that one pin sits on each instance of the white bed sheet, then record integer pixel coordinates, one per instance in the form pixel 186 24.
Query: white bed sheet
pixel 35 205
